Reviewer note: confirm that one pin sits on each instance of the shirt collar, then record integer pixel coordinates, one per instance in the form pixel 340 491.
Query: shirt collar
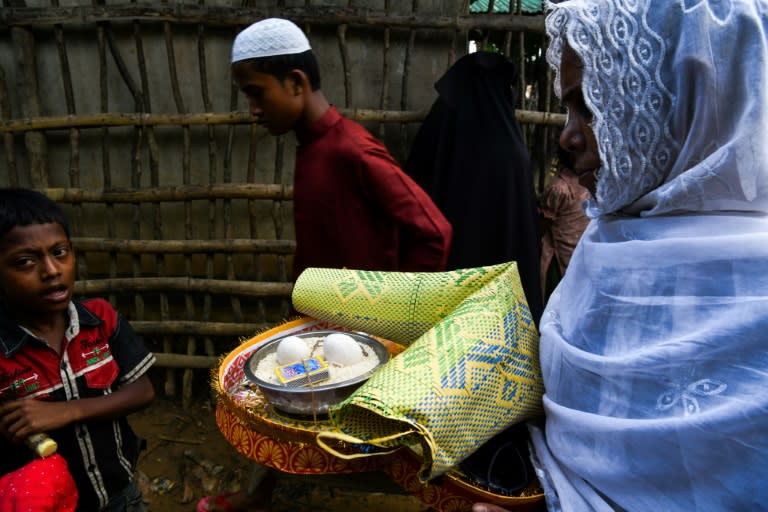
pixel 13 336
pixel 319 127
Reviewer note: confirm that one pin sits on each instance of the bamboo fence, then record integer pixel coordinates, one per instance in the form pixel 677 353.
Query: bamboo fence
pixel 197 264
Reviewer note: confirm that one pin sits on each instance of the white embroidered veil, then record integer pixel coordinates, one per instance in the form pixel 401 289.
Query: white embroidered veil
pixel 654 347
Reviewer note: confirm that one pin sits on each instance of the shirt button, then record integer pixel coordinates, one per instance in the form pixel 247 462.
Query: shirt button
pixel 91 468
pixel 63 365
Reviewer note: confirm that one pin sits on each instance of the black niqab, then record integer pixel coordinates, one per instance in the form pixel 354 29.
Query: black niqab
pixel 470 157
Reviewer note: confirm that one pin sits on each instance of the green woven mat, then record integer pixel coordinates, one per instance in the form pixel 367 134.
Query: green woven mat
pixel 471 368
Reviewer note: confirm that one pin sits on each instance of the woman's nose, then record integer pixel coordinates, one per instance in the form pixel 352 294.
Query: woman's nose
pixel 572 138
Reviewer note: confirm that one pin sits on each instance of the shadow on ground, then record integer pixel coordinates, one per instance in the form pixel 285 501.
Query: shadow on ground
pixel 187 458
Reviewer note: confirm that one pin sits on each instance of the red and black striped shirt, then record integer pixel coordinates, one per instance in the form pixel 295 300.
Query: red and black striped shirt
pixel 101 353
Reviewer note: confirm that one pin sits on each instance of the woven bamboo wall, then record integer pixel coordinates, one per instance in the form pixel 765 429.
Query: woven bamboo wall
pixel 181 207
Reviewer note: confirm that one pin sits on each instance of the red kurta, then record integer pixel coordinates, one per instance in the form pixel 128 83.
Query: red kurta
pixel 355 208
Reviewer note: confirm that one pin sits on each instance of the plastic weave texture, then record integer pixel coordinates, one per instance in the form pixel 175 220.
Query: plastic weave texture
pixel 471 368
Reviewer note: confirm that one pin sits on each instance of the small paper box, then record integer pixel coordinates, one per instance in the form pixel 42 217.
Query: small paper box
pixel 302 373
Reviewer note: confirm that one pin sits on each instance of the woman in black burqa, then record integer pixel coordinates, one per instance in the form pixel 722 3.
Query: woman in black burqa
pixel 470 157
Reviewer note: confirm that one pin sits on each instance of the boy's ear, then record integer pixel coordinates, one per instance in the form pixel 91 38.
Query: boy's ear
pixel 299 81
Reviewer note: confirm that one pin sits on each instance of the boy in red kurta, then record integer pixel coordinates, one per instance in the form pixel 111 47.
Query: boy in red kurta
pixel 353 205
pixel 355 208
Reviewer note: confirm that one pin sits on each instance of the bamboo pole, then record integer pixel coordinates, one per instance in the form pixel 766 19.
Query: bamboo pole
pixel 109 218
pixel 27 81
pixel 181 193
pixel 191 345
pixel 384 100
pixel 212 178
pixel 123 68
pixel 253 214
pixel 5 113
pixel 228 230
pixel 237 310
pixel 170 360
pixel 404 86
pixel 31 124
pixel 452 50
pixel 136 172
pixel 136 166
pixel 235 17
pixel 183 284
pixel 186 246
pixel 74 141
pixel 123 119
pixel 186 327
pixel 171 54
pixel 341 32
pixel 277 219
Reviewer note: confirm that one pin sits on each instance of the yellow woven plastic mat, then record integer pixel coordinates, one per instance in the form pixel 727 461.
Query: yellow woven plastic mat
pixel 471 368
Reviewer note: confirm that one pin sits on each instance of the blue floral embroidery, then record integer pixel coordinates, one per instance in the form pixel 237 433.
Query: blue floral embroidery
pixel 687 395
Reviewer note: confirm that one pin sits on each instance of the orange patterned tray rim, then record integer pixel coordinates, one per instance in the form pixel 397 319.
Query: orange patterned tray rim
pixel 297 438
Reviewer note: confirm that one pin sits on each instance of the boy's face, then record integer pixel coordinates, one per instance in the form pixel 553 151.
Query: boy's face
pixel 277 105
pixel 37 270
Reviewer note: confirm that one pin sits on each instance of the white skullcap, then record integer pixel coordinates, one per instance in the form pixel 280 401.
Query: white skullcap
pixel 265 38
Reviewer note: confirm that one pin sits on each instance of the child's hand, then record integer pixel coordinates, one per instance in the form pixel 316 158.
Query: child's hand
pixel 21 418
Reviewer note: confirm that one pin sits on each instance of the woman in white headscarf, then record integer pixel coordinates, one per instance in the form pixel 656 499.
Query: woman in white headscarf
pixel 654 347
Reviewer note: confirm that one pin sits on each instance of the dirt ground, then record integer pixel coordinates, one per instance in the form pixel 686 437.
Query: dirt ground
pixel 187 458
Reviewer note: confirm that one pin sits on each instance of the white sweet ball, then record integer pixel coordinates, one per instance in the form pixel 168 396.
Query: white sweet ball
pixel 292 348
pixel 342 349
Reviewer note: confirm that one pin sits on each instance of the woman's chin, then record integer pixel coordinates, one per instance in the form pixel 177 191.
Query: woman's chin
pixel 588 180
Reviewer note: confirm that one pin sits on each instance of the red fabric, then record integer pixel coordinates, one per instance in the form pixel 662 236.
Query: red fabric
pixel 43 485
pixel 105 355
pixel 355 208
pixel 35 369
